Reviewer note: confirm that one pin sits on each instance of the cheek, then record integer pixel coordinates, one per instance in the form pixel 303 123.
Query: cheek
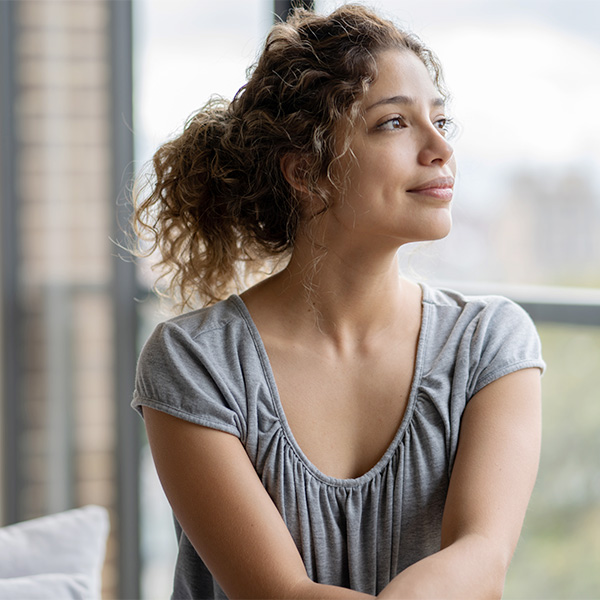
pixel 377 171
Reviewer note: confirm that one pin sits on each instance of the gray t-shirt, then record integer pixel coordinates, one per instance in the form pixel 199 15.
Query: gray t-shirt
pixel 210 367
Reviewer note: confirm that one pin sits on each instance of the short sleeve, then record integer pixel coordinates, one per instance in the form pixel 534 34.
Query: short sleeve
pixel 182 374
pixel 504 340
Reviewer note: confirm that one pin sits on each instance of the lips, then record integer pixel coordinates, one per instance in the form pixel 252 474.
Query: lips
pixel 441 188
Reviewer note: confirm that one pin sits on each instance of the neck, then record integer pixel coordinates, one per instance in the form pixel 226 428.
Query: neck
pixel 348 297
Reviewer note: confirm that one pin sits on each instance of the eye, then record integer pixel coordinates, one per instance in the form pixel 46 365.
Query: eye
pixel 391 124
pixel 445 125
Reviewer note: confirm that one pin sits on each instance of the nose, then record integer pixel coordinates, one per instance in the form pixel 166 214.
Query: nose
pixel 435 148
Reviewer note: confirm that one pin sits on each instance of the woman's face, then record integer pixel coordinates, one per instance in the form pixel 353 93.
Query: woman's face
pixel 400 183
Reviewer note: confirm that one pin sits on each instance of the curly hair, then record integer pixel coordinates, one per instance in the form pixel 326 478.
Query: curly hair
pixel 219 206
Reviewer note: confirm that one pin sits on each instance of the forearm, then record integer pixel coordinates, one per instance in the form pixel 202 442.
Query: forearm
pixel 468 568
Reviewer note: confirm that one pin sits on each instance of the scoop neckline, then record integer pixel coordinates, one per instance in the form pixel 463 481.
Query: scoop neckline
pixel 382 463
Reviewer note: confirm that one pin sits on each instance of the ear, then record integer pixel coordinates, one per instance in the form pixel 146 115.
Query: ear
pixel 293 167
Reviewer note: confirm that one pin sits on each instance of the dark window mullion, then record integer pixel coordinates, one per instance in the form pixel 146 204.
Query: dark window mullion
pixel 12 321
pixel 123 299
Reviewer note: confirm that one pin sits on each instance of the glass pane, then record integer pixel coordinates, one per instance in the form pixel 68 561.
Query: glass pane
pixel 559 552
pixel 185 52
pixel 527 210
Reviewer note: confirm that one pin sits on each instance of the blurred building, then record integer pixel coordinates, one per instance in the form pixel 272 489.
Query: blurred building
pixel 548 230
pixel 68 327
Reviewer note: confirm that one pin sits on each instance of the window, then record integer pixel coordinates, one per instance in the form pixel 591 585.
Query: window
pixel 527 213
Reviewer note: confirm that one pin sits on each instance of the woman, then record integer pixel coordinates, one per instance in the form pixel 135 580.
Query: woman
pixel 336 431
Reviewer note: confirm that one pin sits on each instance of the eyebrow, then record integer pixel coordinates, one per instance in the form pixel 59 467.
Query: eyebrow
pixel 404 100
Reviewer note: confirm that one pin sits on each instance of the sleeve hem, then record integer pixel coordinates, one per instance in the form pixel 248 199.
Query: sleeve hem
pixel 506 370
pixel 141 401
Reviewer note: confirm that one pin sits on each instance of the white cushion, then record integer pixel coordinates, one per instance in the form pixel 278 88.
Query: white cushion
pixel 57 556
pixel 49 586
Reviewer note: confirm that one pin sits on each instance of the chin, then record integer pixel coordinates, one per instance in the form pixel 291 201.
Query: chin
pixel 442 235
pixel 436 231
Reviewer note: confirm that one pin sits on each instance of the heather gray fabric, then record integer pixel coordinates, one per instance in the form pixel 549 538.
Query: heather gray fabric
pixel 210 367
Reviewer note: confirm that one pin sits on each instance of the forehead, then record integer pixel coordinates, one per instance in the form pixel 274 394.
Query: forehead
pixel 401 74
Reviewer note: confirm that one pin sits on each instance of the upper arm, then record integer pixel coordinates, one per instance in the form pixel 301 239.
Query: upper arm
pixel 496 462
pixel 223 508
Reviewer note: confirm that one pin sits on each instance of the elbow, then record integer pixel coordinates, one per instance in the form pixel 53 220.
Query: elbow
pixel 497 563
pixel 496 590
pixel 499 577
pixel 489 562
